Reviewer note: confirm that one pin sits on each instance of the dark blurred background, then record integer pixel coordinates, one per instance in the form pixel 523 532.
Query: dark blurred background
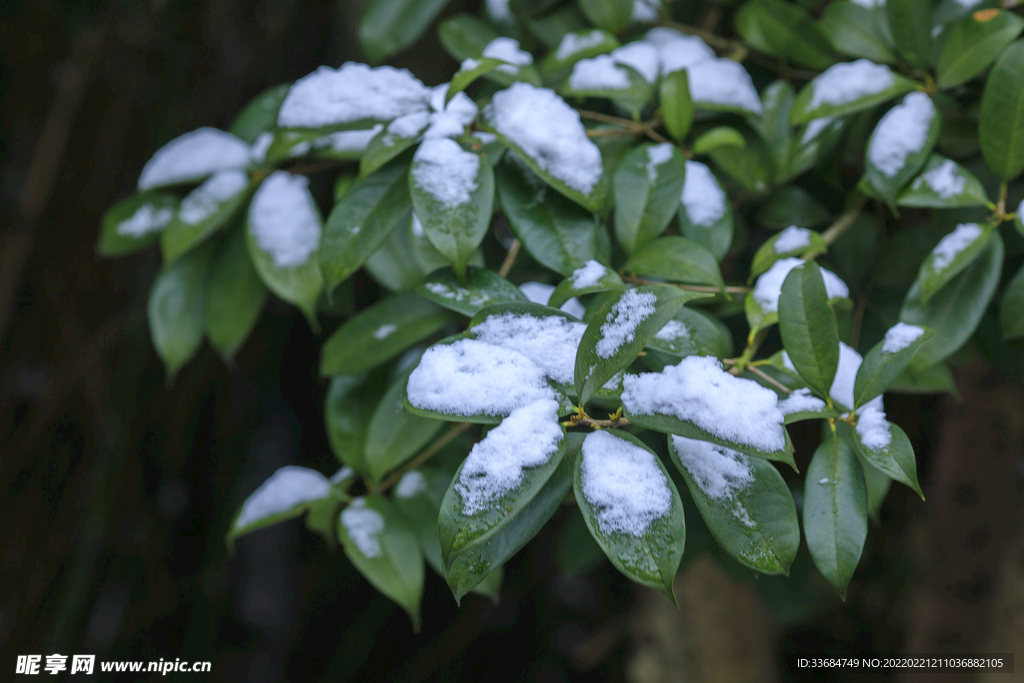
pixel 116 489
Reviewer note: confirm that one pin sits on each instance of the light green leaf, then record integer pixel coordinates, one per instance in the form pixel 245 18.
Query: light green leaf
pixel 676 104
pixel 234 296
pixel 954 311
pixel 346 417
pixel 205 210
pixel 1001 127
pixel 556 232
pixel 464 77
pixel 464 36
pixel 720 136
pixel 744 501
pixel 808 327
pixel 394 435
pixel 585 280
pixel 452 194
pixel 646 187
pixel 827 94
pixel 384 548
pixel 645 544
pixel 942 184
pixel 887 360
pixel 705 214
pixel 853 30
pixel 390 142
pixel 361 221
pixel 911 25
pixel 611 15
pixel 389 26
pixel 481 288
pixel 176 304
pixel 791 32
pixel 885 446
pixel 380 332
pixel 135 223
pixel 676 259
pixel 1011 308
pixel 260 115
pixel 690 333
pixel 971 44
pixel 835 511
pixel 793 241
pixel 951 256
pixel 888 164
pixel 620 329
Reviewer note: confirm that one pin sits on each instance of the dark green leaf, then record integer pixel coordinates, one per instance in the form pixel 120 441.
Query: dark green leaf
pixel 791 32
pixel 176 305
pixel 1001 128
pixel 773 125
pixel 934 380
pixel 954 253
pixel 690 333
pixel 830 102
pixel 482 287
pixel 389 26
pixel 676 104
pixel 234 297
pixel 464 77
pixel 646 187
pixel 885 446
pixel 744 501
pixel 971 44
pixel 585 280
pixel 853 30
pixel 911 25
pixel 1011 308
pixel 379 332
pixel 135 223
pixel 260 115
pixel 808 327
pixel 345 417
pixel 464 36
pixel 835 511
pixel 205 210
pixel 389 143
pixel 384 548
pixel 394 265
pixel 611 15
pixel 675 259
pixel 395 435
pixel 886 361
pixel 812 145
pixel 784 245
pixel 287 494
pixel 705 215
pixel 942 184
pixel 751 165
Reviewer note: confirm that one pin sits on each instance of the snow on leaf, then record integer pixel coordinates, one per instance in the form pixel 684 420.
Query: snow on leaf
pixel 588 275
pixel 193 156
pixel 768 287
pixel 204 201
pixel 285 490
pixel 284 221
pixel 720 473
pixel 843 83
pixel 364 527
pixel 953 243
pixel 624 484
pixel 723 82
pixel 626 315
pixel 901 132
pixel 800 401
pixel 446 171
pixel 146 219
pixel 507 50
pixel 792 239
pixel 702 198
pixel 900 336
pixel 550 342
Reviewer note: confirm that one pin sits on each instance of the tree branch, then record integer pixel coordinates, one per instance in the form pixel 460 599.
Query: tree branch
pixel 690 288
pixel 767 378
pixel 510 258
pixel 425 455
pixel 843 223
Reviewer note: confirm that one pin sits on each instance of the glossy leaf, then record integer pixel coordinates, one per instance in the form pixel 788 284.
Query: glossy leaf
pixel 394 265
pixel 970 45
pixel 676 104
pixel 853 30
pixel 692 333
pixel 895 459
pixel 804 110
pixel 346 417
pixel 380 332
pixel 676 259
pixel 1011 308
pixel 942 184
pixel 940 267
pixel 808 327
pixel 298 285
pixel 389 143
pixel 481 288
pixel 394 435
pixel 720 136
pixel 646 188
pixel 1001 128
pixel 260 115
pixel 835 511
pixel 751 514
pixel 135 223
pixel 389 26
pixel 235 296
pixel 881 368
pixel 176 304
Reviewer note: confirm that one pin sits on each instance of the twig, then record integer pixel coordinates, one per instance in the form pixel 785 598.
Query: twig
pixel 586 421
pixel 425 455
pixel 510 258
pixel 858 320
pixel 767 378
pixel 843 223
pixel 608 118
pixel 691 288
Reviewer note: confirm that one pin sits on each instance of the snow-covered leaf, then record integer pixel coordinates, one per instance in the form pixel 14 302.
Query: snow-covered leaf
pixel 808 328
pixel 392 140
pixel 887 359
pixel 675 259
pixel 689 333
pixel 646 187
pixel 193 156
pixel 723 85
pixel 705 215
pixel 885 446
pixel 482 287
pixel 259 117
pixel 847 88
pixel 802 405
pixel 943 184
pixel 901 144
pixel 205 210
pixel 573 47
pixel 135 223
pixel 951 256
pixel 631 507
pixel 793 241
pixel 589 278
pixel 175 309
pixel 287 494
pixel 235 296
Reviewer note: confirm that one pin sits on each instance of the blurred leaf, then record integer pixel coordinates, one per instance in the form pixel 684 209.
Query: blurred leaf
pixel 971 44
pixel 646 188
pixel 571 287
pixel 911 25
pixel 205 210
pixel 481 288
pixel 389 26
pixel 772 251
pixel 260 115
pixel 611 15
pixel 234 297
pixel 804 110
pixel 886 181
pixel 939 268
pixel 853 30
pixel 942 184
pixel 720 136
pixel 791 32
pixel 135 223
pixel 676 104
pixel 881 368
pixel 1001 129
pixel 346 417
pixel 176 304
pixel 395 435
pixel 1011 308
pixel 464 36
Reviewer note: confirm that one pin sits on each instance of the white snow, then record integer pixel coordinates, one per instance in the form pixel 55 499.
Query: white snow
pixel 550 342
pixel 815 128
pixel 540 293
pixel 624 484
pixel 193 156
pixel 453 119
pixel 507 50
pixel 621 322
pixel 260 147
pixel 849 81
pixel 1020 212
pixel 146 219
pixel 471 377
pixel 342 474
pixel 446 171
pixel 901 132
pixel 499 10
pixel 283 219
pixel 841 390
pixel 674 330
pixel 549 131
pixel 598 73
pixel 952 244
pixel 574 43
pixel 458 294
pixel 588 275
pixel 385 331
pixel 528 437
pixel 801 400
pixel 719 472
pixel 285 490
pixel 641 56
pixel 945 180
pixel 873 428
pixel 646 11
pixel 968 3
pixel 677 51
pixel 656 156
pixel 205 200
pixel 698 390
pixel 408 126
pixel 364 526
pixel 723 82
pixel 702 198
pixel 768 287
pixel 792 239
pixel 411 484
pixel 353 92
pixel 349 140
pixel 900 336
pixel 869 3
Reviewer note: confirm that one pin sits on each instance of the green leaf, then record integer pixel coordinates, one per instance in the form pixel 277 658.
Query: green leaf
pixel 676 104
pixel 970 45
pixel 361 221
pixel 771 251
pixel 744 501
pixel 620 329
pixel 911 25
pixel 792 33
pixel 705 215
pixel 820 412
pixel 633 97
pixel 773 126
pixel 882 366
pixel 693 333
pixel 942 184
pixel 720 136
pixel 455 209
pixel 751 165
pixel 646 187
pixel 646 548
pixel 885 446
pixel 384 548
pixel 934 380
pixel 808 327
pixel 175 309
pixel 475 544
pixel 954 311
pixel 234 297
pixel 290 492
pixel 835 511
pixel 556 232
pixel 676 259
pixel 481 288
pixel 135 223
pixel 464 36
pixel 205 210
pixel 1001 127
pixel 1011 308
pixel 954 253
pixel 878 485
pixel 389 26
pixel 582 281
pixel 812 146
pixel 853 30
pixel 464 77
pixel 390 142
pixel 394 265
pixel 345 417
pixel 260 115
pixel 888 167
pixel 572 47
pixel 807 108
pixel 611 15
pixel 394 435
pixel 380 332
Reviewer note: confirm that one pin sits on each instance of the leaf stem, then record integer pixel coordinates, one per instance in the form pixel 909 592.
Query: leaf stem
pixel 768 378
pixel 510 258
pixel 587 421
pixel 425 455
pixel 843 223
pixel 691 288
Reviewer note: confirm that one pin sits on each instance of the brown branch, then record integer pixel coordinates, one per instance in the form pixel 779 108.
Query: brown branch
pixel 608 118
pixel 425 455
pixel 767 378
pixel 510 258
pixel 690 288
pixel 843 223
